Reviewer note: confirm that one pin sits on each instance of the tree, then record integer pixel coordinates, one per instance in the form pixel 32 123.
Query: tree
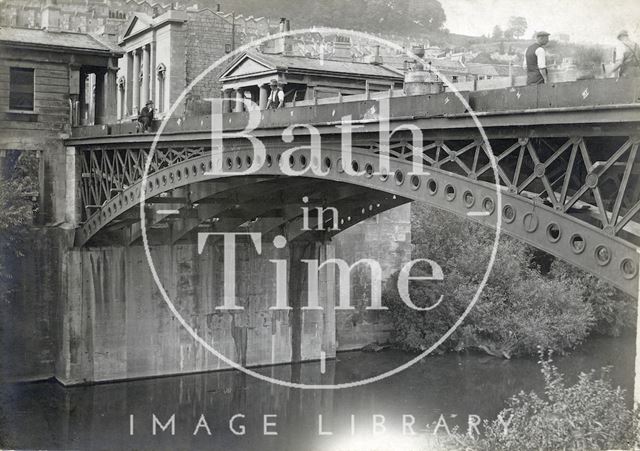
pixel 518 25
pixel 387 16
pixel 19 182
pixel 519 308
pixel 497 32
pixel 522 305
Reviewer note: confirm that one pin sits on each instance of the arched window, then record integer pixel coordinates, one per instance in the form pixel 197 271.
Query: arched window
pixel 161 71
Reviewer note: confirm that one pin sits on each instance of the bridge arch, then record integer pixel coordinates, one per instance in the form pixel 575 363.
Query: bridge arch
pixel 529 220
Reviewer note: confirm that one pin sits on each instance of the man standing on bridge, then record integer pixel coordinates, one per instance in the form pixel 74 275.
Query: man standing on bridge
pixel 276 98
pixel 535 60
pixel 628 61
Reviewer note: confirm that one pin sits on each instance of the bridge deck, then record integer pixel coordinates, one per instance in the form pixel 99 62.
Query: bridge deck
pixel 558 105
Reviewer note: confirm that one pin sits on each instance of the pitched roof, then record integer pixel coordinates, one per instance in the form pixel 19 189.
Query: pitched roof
pixel 306 64
pixel 61 40
pixel 146 20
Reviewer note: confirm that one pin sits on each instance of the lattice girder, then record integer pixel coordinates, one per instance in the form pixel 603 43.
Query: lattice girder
pixel 558 215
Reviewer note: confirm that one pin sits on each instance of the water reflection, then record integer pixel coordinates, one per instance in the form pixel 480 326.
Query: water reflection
pixel 98 417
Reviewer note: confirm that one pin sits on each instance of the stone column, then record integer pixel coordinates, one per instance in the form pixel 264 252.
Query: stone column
pixel 74 92
pixel 73 202
pixel 110 93
pixel 226 103
pixel 239 105
pixel 153 80
pixel 264 96
pixel 146 69
pixel 128 86
pixel 311 92
pixel 120 99
pixel 91 98
pixel 82 98
pixel 135 82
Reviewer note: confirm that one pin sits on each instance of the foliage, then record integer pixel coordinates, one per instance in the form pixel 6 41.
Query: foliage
pixel 485 57
pixel 590 414
pixel 19 185
pixel 584 56
pixel 518 309
pixel 497 32
pixel 19 182
pixel 614 311
pixel 387 16
pixel 517 26
pixel 588 56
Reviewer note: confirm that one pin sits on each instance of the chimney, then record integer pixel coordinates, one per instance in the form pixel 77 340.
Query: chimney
pixel 51 16
pixel 375 58
pixel 342 49
pixel 282 45
pixel 288 44
pixel 156 11
pixel 418 50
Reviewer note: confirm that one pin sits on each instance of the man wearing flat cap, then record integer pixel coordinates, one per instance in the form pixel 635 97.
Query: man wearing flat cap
pixel 535 60
pixel 145 118
pixel 276 98
pixel 628 60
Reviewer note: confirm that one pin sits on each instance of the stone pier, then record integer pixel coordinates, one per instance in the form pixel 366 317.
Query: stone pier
pixel 117 325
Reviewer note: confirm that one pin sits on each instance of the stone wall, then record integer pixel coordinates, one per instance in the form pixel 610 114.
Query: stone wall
pixel 95 314
pixel 208 38
pixel 387 239
pixel 42 129
pixel 117 325
pixel 31 319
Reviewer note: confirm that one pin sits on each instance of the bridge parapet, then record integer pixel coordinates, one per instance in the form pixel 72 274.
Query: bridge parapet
pixel 567 96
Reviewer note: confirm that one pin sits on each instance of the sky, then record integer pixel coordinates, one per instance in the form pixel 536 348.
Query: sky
pixel 595 21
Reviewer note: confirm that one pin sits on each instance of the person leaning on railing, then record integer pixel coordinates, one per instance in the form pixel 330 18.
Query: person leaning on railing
pixel 145 118
pixel 628 61
pixel 276 97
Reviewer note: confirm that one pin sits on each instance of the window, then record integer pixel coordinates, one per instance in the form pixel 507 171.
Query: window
pixel 21 89
pixel 161 71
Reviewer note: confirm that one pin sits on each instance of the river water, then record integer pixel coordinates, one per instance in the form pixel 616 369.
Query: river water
pixel 445 388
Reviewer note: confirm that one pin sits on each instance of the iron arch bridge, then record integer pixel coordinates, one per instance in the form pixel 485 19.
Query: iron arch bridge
pixel 569 175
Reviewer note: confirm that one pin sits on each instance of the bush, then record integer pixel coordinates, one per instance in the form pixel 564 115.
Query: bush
pixel 614 311
pixel 591 414
pixel 19 183
pixel 519 308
